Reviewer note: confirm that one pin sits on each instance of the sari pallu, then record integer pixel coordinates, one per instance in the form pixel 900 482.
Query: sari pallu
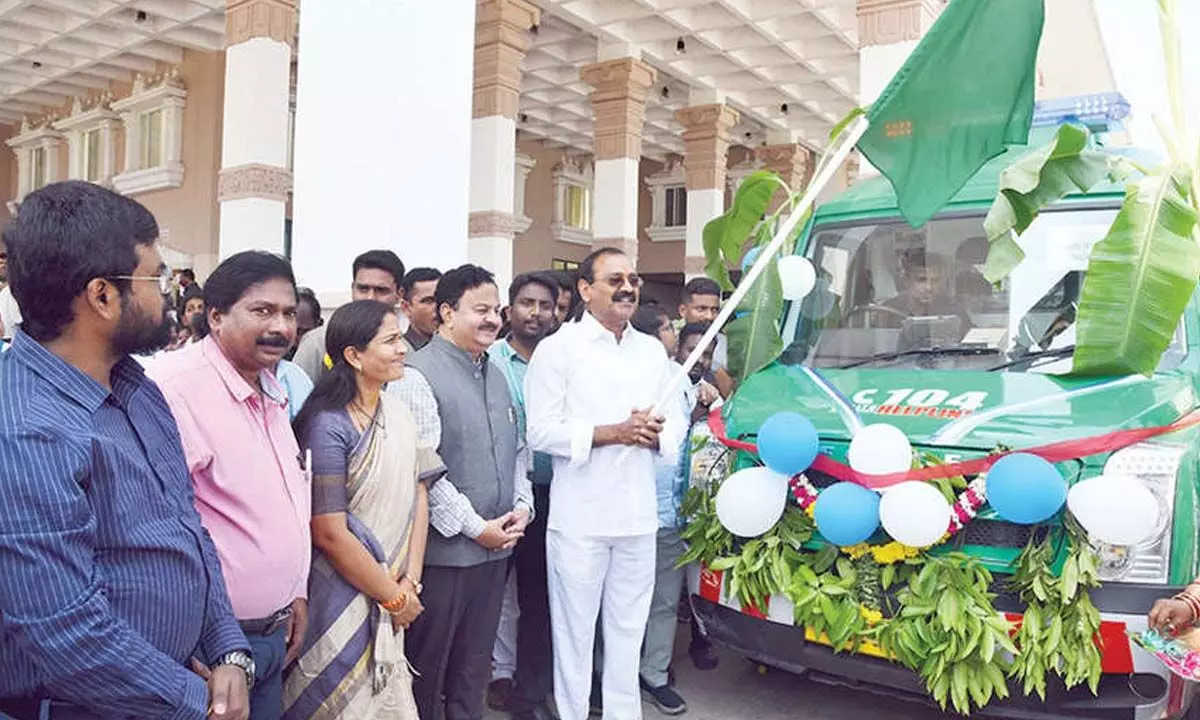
pixel 351 664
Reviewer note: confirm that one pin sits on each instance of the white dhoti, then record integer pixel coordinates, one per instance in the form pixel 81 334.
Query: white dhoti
pixel 585 574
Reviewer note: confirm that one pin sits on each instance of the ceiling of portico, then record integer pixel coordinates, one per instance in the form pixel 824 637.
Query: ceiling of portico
pixel 761 55
pixel 53 50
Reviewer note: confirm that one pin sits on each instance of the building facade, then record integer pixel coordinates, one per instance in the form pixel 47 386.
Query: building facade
pixel 517 134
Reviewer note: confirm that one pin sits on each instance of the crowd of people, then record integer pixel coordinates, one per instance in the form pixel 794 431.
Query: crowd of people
pixel 215 503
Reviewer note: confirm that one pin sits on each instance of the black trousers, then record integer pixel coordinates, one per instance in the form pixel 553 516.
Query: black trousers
pixel 534 676
pixel 450 643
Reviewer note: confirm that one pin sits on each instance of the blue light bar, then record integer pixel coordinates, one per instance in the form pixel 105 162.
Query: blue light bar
pixel 1100 112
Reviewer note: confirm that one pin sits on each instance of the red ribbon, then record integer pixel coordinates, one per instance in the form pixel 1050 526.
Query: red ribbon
pixel 1054 453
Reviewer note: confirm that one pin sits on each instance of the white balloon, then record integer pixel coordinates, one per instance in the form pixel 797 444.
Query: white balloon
pixel 1115 509
pixel 751 501
pixel 914 513
pixel 797 275
pixel 880 449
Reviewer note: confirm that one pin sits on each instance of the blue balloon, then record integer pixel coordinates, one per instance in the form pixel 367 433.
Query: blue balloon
pixel 847 513
pixel 1025 489
pixel 751 255
pixel 787 443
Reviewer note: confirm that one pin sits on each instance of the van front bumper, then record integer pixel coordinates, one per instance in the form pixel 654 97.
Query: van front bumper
pixel 1149 692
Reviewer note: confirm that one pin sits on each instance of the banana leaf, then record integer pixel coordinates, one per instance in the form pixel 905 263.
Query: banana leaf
pixel 724 236
pixel 1139 278
pixel 1042 177
pixel 753 334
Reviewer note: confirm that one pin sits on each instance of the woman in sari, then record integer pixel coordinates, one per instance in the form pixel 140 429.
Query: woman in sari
pixel 369 526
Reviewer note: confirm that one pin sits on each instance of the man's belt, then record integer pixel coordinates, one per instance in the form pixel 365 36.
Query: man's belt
pixel 266 626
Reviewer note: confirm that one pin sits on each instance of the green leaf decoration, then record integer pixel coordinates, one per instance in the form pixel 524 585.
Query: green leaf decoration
pixel 724 236
pixel 1034 182
pixel 753 335
pixel 1139 279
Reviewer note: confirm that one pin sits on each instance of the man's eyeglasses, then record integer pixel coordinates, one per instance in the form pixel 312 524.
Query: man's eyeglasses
pixel 164 281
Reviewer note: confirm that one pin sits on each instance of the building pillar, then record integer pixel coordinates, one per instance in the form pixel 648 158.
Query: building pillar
pixel 501 40
pixel 619 104
pixel 888 30
pixel 383 137
pixel 706 156
pixel 254 182
pixel 791 161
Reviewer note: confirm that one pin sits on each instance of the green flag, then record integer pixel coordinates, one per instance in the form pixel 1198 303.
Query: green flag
pixel 964 94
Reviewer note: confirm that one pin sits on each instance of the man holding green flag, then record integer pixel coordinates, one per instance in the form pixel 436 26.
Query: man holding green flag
pixel 960 99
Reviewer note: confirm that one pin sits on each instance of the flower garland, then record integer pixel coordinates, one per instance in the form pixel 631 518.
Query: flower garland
pixel 963 511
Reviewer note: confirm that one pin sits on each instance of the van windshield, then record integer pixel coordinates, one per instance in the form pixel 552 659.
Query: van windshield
pixel 891 296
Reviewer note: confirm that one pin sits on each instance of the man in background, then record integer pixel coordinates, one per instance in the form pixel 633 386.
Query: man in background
pixel 10 313
pixel 376 275
pixel 308 315
pixel 701 304
pixel 523 642
pixel 251 482
pixel 566 296
pixel 417 300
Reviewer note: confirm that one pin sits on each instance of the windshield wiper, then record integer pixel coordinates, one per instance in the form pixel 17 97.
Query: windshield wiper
pixel 896 355
pixel 1064 351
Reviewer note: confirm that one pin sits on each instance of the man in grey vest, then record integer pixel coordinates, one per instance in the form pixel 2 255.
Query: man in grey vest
pixel 479 508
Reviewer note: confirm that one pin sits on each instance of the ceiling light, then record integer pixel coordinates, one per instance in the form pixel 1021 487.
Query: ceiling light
pixel 140 16
pixel 37 64
pixel 680 46
pixel 666 92
pixel 783 109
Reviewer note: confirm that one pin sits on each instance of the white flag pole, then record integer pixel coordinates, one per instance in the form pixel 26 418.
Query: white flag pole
pixel 848 140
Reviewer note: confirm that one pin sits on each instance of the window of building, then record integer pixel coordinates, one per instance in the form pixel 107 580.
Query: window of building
pixel 668 200
pixel 572 200
pixel 676 206
pixel 524 165
pixel 37 166
pixel 561 264
pixel 37 150
pixel 91 130
pixel 153 120
pixel 151 133
pixel 579 207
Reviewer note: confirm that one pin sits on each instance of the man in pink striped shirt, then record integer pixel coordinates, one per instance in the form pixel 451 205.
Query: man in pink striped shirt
pixel 251 484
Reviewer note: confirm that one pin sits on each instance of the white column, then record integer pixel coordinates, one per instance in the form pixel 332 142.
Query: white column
pixel 383 136
pixel 888 30
pixel 254 180
pixel 501 39
pixel 619 102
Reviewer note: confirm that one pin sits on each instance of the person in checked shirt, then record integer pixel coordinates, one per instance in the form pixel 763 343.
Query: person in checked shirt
pixel 112 603
pixel 479 509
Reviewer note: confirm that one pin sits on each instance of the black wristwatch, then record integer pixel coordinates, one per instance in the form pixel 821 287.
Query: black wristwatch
pixel 240 659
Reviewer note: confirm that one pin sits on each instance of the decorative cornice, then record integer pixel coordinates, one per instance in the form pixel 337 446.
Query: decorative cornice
pixel 491 223
pixel 563 232
pixel 884 22
pixel 619 104
pixel 501 40
pixel 247 19
pixel 706 144
pixel 255 180
pixel 791 162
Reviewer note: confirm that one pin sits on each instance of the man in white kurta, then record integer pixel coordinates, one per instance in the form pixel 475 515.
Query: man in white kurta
pixel 588 391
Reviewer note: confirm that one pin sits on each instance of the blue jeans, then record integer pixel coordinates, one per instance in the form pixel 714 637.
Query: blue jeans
pixel 266 699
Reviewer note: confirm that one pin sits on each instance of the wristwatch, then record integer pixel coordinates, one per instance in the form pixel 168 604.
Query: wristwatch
pixel 241 659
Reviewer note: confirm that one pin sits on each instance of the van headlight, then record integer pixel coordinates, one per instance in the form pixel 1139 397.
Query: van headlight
pixel 1155 466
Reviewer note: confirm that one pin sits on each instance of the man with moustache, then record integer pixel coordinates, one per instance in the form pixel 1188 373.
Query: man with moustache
pixel 589 393
pixel 532 299
pixel 479 508
pixel 109 584
pixel 251 483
